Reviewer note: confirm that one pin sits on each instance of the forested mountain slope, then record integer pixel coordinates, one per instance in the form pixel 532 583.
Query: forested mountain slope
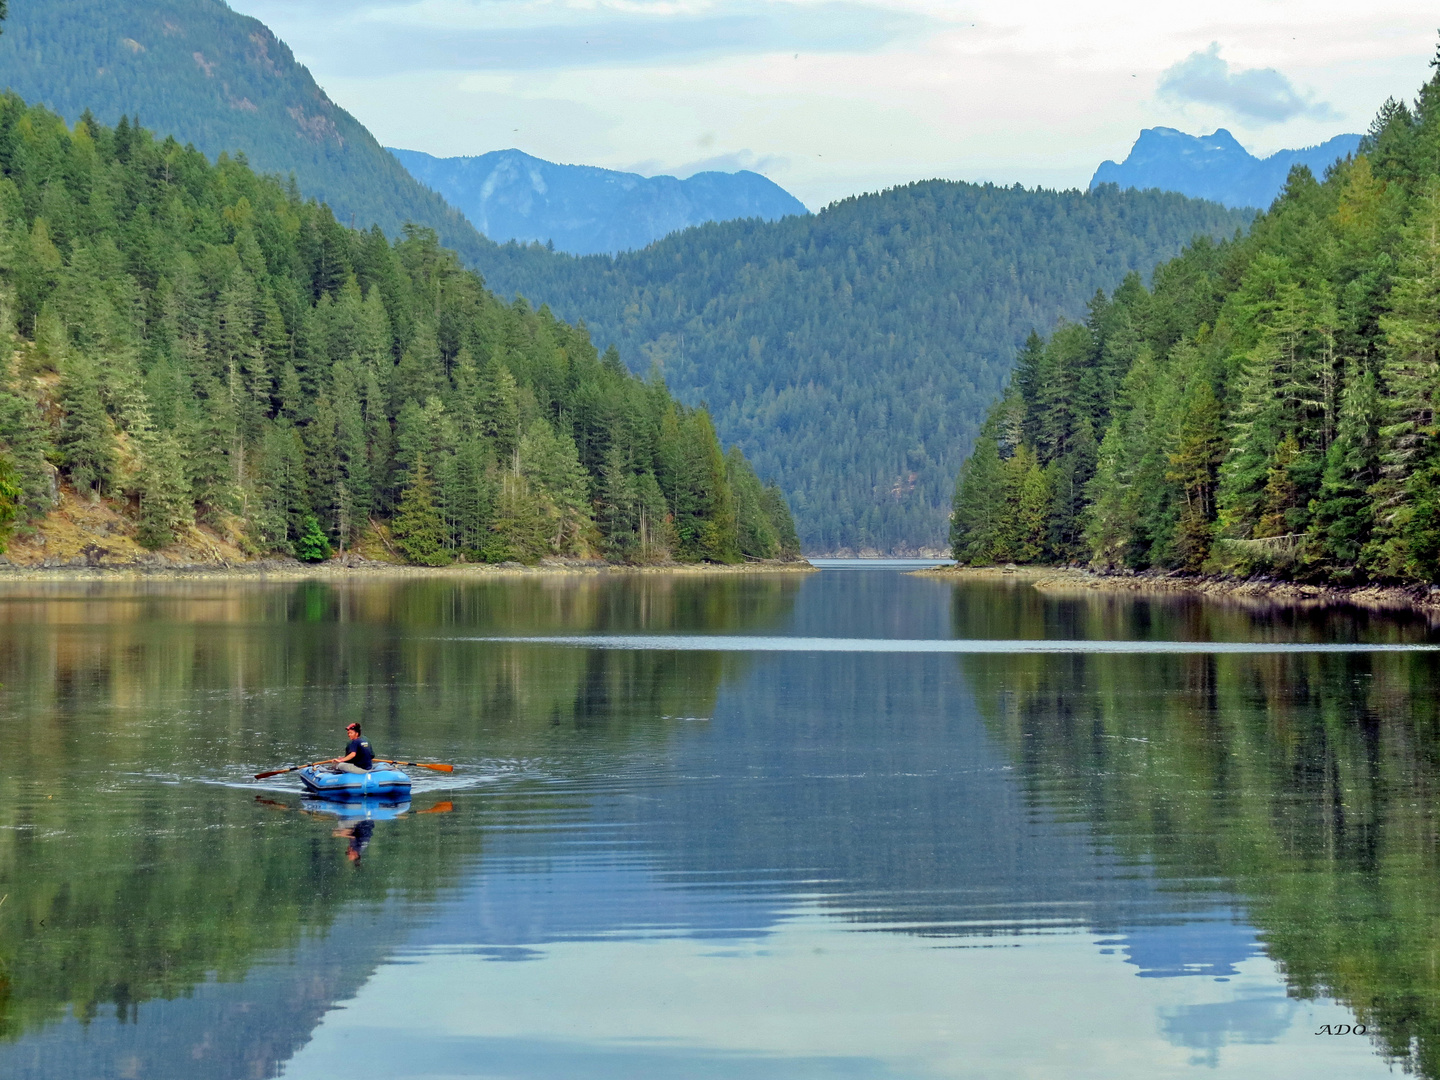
pixel 196 344
pixel 222 81
pixel 509 195
pixel 1269 406
pixel 852 353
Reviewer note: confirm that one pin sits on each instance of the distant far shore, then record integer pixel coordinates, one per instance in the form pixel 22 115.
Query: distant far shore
pixel 1053 579
pixel 362 569
pixel 872 553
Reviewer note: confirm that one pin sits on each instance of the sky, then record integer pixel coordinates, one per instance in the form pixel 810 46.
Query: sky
pixel 831 98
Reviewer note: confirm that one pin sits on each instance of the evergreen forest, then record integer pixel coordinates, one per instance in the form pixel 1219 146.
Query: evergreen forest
pixel 852 353
pixel 224 82
pixel 1266 406
pixel 196 343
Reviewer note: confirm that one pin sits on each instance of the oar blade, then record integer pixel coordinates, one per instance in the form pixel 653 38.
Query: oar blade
pixel 272 772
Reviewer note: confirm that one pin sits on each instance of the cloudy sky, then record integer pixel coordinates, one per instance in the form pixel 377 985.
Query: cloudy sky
pixel 834 97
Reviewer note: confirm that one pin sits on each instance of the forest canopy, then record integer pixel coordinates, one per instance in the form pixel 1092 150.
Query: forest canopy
pixel 197 343
pixel 1268 405
pixel 852 353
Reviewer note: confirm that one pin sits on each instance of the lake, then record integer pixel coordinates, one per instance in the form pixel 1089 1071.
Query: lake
pixel 853 824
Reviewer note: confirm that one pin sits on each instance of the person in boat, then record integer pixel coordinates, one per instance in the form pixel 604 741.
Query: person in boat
pixel 358 754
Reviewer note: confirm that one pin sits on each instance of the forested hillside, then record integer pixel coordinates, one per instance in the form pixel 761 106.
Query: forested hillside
pixel 852 354
pixel 222 81
pixel 196 343
pixel 1270 405
pixel 849 354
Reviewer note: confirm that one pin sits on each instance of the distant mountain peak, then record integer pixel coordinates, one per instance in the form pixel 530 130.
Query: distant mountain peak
pixel 1215 166
pixel 587 210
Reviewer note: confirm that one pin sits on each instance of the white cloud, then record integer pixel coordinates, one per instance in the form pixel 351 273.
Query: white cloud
pixel 895 90
pixel 1257 94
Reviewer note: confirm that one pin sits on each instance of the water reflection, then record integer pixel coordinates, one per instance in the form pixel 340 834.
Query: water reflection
pixel 1302 784
pixel 128 881
pixel 668 861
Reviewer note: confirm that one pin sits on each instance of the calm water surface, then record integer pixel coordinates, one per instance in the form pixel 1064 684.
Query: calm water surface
pixel 824 825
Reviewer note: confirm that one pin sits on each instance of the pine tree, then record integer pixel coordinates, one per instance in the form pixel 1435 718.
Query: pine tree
pixel 166 502
pixel 755 531
pixel 782 521
pixel 619 510
pixel 1410 373
pixel 87 442
pixel 978 525
pixel 313 545
pixel 417 526
pixel 1194 466
pixel 11 491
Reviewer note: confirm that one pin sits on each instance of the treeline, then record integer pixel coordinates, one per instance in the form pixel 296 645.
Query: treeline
pixel 1268 405
pixel 200 343
pixel 851 353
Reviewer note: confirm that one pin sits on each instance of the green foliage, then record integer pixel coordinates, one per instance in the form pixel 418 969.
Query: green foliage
pixel 11 493
pixel 223 82
pixel 1269 406
pixel 206 343
pixel 418 528
pixel 756 533
pixel 166 503
pixel 850 353
pixel 313 545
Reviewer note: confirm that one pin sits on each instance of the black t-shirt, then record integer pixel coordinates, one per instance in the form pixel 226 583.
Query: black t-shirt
pixel 361 749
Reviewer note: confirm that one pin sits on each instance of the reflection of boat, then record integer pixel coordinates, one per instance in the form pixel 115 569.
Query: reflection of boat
pixel 371 809
pixel 344 785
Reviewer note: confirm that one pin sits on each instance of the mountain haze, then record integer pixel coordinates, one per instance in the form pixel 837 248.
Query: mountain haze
pixel 1215 167
pixel 583 210
pixel 198 71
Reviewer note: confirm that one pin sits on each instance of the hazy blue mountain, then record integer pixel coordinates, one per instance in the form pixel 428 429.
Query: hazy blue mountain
pixel 1215 167
pixel 509 195
pixel 209 76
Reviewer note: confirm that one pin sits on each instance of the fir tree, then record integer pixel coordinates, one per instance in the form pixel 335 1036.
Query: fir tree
pixel 313 545
pixel 166 504
pixel 417 526
pixel 87 442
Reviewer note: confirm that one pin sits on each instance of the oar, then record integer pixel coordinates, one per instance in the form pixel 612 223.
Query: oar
pixel 418 765
pixel 293 768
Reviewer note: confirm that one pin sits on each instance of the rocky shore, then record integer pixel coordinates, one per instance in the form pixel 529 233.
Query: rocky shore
pixel 88 540
pixel 353 568
pixel 1424 598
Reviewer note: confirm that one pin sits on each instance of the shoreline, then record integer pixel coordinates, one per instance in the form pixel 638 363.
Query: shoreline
pixel 360 569
pixel 1419 598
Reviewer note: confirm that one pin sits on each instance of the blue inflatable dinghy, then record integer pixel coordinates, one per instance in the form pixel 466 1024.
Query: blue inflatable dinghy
pixel 380 781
